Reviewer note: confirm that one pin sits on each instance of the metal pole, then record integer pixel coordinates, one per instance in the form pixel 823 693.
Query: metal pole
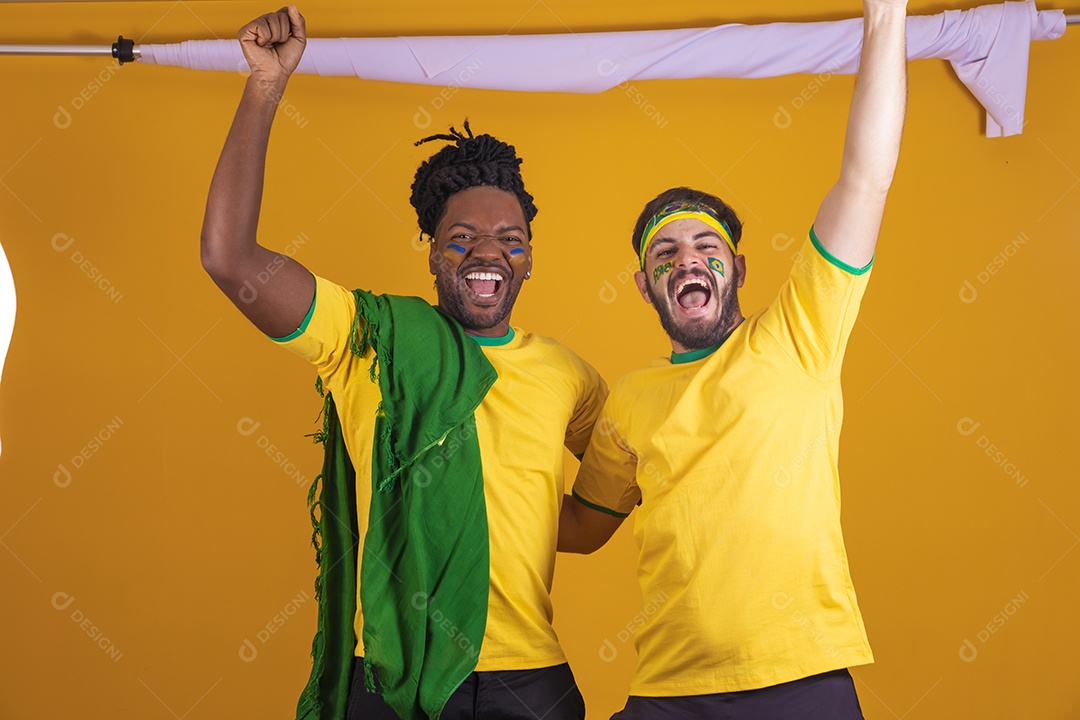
pixel 123 50
pixel 55 50
pixel 1072 19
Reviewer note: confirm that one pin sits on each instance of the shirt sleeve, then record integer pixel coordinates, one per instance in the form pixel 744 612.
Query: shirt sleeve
pixel 323 337
pixel 591 396
pixel 815 311
pixel 607 478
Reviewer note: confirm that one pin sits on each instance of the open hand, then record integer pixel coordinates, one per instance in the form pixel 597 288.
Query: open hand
pixel 273 43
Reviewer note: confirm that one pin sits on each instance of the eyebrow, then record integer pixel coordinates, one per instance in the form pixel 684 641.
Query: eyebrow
pixel 498 231
pixel 697 236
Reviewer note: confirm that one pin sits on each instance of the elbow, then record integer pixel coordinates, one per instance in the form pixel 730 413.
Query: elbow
pixel 217 263
pixel 211 261
pixel 870 186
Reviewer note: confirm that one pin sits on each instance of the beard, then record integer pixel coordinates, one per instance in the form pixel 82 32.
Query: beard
pixel 699 334
pixel 452 301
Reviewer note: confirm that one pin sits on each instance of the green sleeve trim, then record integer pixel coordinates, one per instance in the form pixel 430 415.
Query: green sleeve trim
pixel 494 341
pixel 598 508
pixel 304 323
pixel 835 261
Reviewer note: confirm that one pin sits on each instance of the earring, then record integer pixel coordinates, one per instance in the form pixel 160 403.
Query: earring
pixel 528 274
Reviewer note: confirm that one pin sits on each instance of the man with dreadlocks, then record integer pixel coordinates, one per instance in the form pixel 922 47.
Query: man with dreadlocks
pixel 443 434
pixel 731 447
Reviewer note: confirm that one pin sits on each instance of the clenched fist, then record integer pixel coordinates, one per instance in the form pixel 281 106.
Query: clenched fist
pixel 273 44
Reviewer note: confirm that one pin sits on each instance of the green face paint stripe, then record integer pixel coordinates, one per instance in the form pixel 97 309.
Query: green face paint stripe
pixel 717 265
pixel 660 271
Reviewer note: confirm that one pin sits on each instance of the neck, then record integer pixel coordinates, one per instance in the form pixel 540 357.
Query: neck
pixel 493 332
pixel 678 347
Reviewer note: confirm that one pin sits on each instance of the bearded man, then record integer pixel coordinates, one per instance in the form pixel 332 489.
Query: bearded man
pixel 730 447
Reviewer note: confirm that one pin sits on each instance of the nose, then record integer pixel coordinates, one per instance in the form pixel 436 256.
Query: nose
pixel 487 246
pixel 688 258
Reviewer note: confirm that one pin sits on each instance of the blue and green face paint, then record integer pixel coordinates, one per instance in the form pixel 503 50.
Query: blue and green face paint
pixel 660 271
pixel 717 266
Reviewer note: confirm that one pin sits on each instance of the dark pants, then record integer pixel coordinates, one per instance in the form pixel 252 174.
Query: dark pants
pixel 549 693
pixel 829 696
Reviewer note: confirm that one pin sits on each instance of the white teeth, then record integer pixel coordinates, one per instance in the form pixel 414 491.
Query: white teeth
pixel 483 276
pixel 690 281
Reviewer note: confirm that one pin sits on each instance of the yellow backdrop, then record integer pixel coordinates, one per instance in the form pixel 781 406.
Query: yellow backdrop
pixel 155 557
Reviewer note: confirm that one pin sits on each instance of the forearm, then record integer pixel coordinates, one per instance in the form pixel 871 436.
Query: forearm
pixel 850 216
pixel 876 120
pixel 570 540
pixel 584 530
pixel 232 208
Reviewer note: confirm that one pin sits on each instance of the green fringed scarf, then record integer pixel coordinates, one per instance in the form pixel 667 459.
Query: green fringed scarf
pixel 425 570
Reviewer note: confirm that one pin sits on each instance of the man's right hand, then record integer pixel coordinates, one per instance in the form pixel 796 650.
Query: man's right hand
pixel 273 44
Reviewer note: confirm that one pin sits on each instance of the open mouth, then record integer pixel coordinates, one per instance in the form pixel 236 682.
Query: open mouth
pixel 484 285
pixel 693 293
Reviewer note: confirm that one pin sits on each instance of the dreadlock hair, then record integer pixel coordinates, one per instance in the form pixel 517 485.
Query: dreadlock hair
pixel 469 162
pixel 684 194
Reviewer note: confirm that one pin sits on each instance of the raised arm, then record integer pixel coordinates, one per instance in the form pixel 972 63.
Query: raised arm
pixel 272 290
pixel 850 216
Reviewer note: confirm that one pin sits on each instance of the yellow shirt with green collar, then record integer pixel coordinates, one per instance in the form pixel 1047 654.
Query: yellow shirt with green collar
pixel 732 453
pixel 546 398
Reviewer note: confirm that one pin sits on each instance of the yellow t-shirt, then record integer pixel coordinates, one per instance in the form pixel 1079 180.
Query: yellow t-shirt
pixel 733 457
pixel 546 397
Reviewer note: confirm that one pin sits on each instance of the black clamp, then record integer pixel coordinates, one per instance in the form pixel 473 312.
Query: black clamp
pixel 123 50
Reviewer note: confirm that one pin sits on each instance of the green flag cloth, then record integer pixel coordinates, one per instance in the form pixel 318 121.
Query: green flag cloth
pixel 425 566
pixel 335 541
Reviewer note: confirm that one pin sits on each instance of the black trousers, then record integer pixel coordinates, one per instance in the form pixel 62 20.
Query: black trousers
pixel 829 696
pixel 549 693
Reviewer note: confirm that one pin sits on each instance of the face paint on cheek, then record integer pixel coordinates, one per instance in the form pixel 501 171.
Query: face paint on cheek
pixel 661 271
pixel 517 251
pixel 454 246
pixel 717 266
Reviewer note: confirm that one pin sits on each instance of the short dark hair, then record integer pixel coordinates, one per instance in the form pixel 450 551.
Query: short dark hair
pixel 469 162
pixel 684 194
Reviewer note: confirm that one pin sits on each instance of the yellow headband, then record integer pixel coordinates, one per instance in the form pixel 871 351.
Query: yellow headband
pixel 682 211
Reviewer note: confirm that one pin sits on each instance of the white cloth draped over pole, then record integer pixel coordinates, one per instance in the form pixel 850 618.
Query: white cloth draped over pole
pixel 988 47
